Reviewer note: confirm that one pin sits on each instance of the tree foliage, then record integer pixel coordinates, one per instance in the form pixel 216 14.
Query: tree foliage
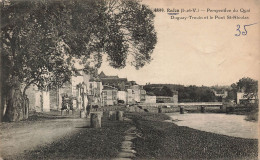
pixel 158 91
pixel 38 36
pixel 42 40
pixel 249 86
pixel 185 93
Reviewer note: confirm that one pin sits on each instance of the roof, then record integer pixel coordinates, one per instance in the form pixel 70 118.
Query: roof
pixel 106 87
pixel 112 77
pixel 102 75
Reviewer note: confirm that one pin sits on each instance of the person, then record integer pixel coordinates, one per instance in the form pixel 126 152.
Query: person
pixel 63 103
pixel 70 104
pixel 88 109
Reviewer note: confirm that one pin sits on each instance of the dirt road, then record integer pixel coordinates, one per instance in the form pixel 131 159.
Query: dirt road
pixel 19 137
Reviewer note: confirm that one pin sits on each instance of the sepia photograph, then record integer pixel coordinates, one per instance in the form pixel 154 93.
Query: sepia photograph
pixel 129 79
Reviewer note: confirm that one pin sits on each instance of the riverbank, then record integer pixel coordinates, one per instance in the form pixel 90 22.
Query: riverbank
pixel 156 139
pixel 162 140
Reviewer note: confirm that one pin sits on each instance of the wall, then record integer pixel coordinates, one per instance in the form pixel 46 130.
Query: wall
pixel 130 96
pixel 46 101
pixel 150 99
pixel 142 95
pixel 38 100
pixel 75 80
pixel 95 90
pixel 175 99
pixel 30 92
pixel 165 99
pixel 109 96
pixel 54 99
pixel 121 95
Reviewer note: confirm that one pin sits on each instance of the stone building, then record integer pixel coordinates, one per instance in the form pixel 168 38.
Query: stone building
pixel 168 99
pixel 39 101
pixel 242 98
pixel 94 91
pixel 122 95
pixel 138 93
pixel 114 81
pixel 150 99
pixel 109 95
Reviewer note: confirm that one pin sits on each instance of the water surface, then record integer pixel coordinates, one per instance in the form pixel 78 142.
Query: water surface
pixel 226 124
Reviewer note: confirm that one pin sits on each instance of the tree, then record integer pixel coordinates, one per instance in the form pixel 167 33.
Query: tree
pixel 41 40
pixel 165 91
pixel 232 93
pixel 249 87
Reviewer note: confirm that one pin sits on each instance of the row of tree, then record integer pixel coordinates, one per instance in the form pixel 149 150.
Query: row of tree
pixel 185 94
pixel 205 94
pixel 42 40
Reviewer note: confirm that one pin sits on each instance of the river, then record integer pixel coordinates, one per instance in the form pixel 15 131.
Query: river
pixel 226 124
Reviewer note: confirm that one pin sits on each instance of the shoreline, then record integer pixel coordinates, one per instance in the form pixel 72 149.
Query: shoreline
pixel 162 140
pixel 156 139
pixel 223 124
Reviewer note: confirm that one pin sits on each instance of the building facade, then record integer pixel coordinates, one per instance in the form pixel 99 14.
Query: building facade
pixel 39 100
pixel 242 98
pixel 122 96
pixel 109 95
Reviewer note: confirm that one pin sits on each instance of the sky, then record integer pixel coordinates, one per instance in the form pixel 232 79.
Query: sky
pixel 200 52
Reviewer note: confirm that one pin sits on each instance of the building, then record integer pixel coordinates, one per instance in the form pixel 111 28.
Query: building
pixel 76 89
pixel 221 93
pixel 94 91
pixel 39 101
pixel 142 95
pixel 164 99
pixel 130 96
pixel 138 93
pixel 114 81
pixel 109 95
pixel 122 96
pixel 168 99
pixel 242 98
pixel 150 99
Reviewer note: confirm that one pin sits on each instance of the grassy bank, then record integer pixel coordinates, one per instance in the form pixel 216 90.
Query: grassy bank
pixel 86 143
pixel 253 115
pixel 162 140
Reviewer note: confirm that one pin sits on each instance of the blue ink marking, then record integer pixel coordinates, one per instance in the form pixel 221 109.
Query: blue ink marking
pixel 243 32
pixel 173 13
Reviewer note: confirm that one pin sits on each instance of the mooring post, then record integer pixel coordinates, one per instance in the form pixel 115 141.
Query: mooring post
pixel 119 115
pixel 202 109
pixel 112 115
pixel 181 110
pixel 159 110
pixel 95 120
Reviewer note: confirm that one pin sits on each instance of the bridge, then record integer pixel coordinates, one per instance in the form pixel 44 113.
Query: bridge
pixel 207 104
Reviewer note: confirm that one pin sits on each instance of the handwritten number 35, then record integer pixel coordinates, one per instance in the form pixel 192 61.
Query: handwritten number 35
pixel 243 32
pixel 239 32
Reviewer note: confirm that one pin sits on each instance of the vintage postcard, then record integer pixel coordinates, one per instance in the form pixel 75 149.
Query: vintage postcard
pixel 129 79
